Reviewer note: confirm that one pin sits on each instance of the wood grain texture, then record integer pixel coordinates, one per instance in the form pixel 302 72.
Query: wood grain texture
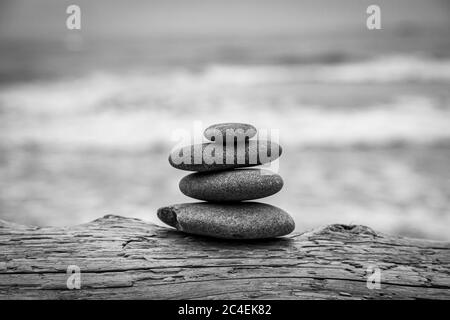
pixel 124 258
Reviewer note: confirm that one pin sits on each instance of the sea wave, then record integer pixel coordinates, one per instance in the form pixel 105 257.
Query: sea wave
pixel 384 69
pixel 141 110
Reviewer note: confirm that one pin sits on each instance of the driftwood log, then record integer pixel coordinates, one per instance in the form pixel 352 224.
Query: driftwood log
pixel 124 258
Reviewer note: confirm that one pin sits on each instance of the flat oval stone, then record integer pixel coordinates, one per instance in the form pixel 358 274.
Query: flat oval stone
pixel 246 220
pixel 216 157
pixel 231 185
pixel 235 131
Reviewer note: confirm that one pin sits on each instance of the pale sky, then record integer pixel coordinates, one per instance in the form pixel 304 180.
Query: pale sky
pixel 114 18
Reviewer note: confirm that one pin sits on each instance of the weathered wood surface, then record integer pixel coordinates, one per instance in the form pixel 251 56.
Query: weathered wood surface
pixel 128 258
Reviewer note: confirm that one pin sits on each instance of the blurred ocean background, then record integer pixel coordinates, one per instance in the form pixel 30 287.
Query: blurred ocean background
pixel 86 117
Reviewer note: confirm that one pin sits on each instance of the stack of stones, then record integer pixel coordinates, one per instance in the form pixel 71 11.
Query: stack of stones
pixel 222 181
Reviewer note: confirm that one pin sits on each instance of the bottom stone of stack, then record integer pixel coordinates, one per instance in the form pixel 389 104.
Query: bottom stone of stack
pixel 245 220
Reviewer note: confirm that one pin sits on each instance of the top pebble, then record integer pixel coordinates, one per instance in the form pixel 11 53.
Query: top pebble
pixel 236 131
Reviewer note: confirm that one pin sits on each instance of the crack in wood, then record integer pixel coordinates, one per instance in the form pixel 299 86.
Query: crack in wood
pixel 127 258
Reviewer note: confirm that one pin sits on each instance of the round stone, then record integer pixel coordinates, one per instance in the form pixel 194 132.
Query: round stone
pixel 231 185
pixel 215 157
pixel 246 220
pixel 234 131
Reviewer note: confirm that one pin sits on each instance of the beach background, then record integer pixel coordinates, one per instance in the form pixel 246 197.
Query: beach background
pixel 87 116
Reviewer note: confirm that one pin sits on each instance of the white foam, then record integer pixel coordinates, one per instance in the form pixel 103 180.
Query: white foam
pixel 139 110
pixel 384 69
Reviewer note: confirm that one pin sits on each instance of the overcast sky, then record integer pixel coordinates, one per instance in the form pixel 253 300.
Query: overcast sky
pixel 114 18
